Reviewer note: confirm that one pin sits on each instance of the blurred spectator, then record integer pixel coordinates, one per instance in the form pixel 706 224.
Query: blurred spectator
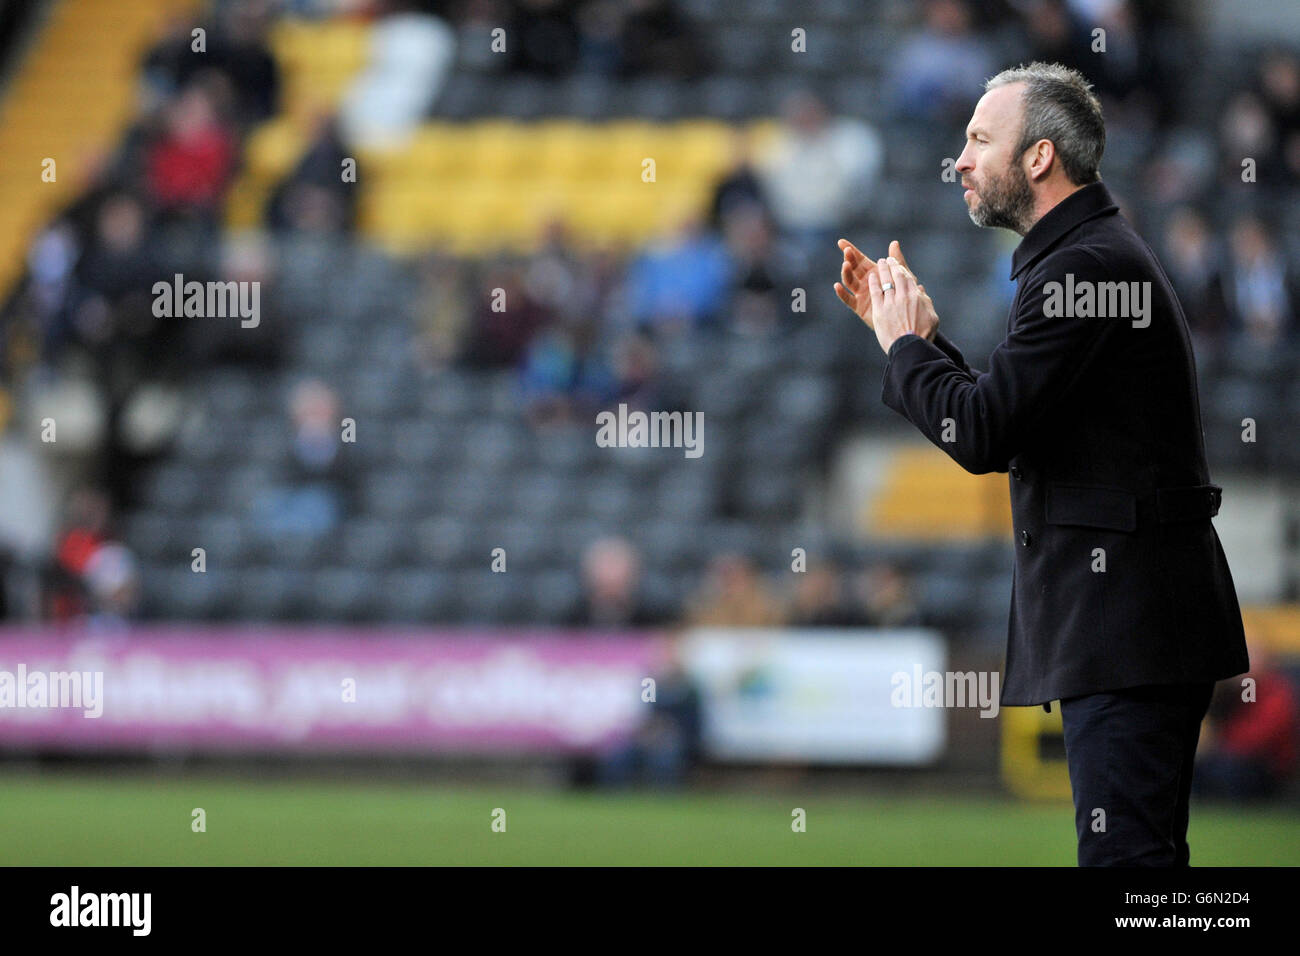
pixel 885 598
pixel 235 49
pixel 1183 164
pixel 734 594
pixel 87 527
pixel 1248 749
pixel 442 310
pixel 51 264
pixel 1055 35
pixel 112 315
pixel 600 50
pixel 243 258
pixel 567 284
pixel 820 171
pixel 314 494
pixel 613 38
pixel 27 511
pixel 565 375
pixel 1259 293
pixel 411 55
pixel 637 382
pixel 505 320
pixel 1246 131
pixel 169 64
pixel 1279 80
pixel 612 597
pixel 113 583
pixel 118 262
pixel 939 72
pixel 314 198
pixel 819 598
pixel 1192 259
pixel 655 38
pixel 1128 77
pixel 680 284
pixel 239 49
pixel 475 22
pixel 192 160
pixel 762 279
pixel 740 187
pixel 666 746
pixel 85 531
pixel 545 37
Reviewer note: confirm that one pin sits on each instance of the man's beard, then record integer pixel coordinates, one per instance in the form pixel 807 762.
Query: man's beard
pixel 1006 202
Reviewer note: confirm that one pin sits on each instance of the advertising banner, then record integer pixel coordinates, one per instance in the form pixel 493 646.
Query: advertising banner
pixel 817 695
pixel 213 689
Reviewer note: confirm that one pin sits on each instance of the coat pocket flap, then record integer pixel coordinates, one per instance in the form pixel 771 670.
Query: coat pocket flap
pixel 1092 507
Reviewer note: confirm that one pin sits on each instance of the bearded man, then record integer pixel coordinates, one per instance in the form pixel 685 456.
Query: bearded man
pixel 1123 607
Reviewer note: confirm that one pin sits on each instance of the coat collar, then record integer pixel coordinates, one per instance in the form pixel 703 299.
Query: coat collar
pixel 1081 205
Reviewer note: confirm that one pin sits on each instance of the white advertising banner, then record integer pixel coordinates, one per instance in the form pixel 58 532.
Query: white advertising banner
pixel 821 696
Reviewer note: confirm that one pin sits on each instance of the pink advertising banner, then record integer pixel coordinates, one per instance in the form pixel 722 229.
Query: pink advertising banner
pixel 205 689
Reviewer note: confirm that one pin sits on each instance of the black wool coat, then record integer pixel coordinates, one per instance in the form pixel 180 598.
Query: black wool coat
pixel 1090 404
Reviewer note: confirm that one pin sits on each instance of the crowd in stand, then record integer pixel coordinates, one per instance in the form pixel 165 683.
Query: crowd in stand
pixel 735 593
pixel 586 328
pixel 81 330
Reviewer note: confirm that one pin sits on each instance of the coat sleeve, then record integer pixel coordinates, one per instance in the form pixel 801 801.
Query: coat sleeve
pixel 954 354
pixel 987 417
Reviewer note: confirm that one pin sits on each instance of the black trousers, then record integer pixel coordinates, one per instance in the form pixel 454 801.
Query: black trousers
pixel 1130 754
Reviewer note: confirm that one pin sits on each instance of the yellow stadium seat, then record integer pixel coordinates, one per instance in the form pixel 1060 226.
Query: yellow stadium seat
pixel 494 184
pixel 273 149
pixel 441 152
pixel 501 150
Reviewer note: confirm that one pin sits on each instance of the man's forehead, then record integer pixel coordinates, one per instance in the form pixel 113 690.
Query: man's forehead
pixel 999 108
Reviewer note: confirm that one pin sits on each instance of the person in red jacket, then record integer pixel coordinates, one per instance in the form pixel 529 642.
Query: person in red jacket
pixel 84 533
pixel 1249 746
pixel 191 163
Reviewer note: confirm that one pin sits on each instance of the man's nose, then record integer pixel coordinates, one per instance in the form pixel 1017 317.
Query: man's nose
pixel 964 163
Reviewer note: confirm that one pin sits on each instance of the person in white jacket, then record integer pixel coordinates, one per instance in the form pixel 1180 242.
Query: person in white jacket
pixel 411 54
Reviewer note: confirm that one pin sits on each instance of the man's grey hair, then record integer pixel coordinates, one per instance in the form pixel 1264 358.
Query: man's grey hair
pixel 1060 106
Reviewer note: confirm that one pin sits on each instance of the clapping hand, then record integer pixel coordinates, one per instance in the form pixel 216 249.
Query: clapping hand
pixel 885 295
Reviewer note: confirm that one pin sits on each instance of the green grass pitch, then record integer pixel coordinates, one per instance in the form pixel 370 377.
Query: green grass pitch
pixel 104 820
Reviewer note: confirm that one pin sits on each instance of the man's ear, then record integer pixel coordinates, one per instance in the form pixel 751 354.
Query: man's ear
pixel 1040 158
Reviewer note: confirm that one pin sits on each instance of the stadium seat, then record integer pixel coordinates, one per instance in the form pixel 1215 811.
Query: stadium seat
pixel 414 595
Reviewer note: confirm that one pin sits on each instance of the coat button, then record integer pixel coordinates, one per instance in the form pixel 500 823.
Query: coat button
pixel 1025 538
